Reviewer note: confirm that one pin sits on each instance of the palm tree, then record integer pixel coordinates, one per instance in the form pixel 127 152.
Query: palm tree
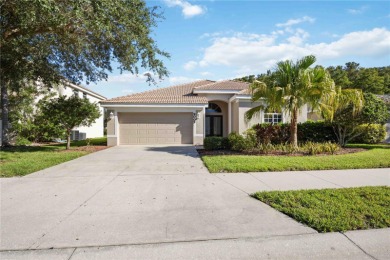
pixel 290 87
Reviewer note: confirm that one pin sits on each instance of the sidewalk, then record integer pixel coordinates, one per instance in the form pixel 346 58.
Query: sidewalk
pixel 366 244
pixel 268 181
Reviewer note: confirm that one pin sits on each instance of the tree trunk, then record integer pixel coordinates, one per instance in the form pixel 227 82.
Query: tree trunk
pixel 4 115
pixel 68 140
pixel 294 128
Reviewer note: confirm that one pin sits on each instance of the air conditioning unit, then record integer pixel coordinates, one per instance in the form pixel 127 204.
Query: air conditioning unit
pixel 82 136
pixel 74 135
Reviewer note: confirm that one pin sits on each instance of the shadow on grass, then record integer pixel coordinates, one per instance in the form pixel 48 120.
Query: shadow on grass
pixel 101 141
pixel 54 147
pixel 29 149
pixel 369 146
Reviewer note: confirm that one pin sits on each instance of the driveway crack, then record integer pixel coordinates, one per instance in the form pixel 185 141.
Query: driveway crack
pixel 353 242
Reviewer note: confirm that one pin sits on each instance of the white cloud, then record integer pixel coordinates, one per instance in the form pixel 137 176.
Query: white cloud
pixel 359 10
pixel 249 53
pixel 189 10
pixel 190 65
pixel 180 80
pixel 126 78
pixel 206 73
pixel 127 91
pixel 292 22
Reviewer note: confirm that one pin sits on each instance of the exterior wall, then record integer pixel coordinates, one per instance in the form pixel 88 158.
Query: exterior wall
pixel 199 128
pixel 244 106
pixel 235 117
pixel 302 116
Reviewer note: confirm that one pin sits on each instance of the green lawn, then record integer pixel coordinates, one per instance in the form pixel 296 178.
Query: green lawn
pixel 331 210
pixel 377 156
pixel 20 161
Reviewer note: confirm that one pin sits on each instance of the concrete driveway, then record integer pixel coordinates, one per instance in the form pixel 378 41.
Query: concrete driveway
pixel 131 195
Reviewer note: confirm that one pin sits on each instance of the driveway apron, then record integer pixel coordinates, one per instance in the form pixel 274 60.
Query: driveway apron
pixel 131 195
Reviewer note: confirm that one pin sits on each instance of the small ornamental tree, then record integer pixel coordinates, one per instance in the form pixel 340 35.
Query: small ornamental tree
pixel 69 113
pixel 346 121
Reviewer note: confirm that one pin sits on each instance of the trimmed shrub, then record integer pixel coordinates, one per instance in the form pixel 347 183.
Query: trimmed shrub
pixel 242 142
pixel 214 143
pixel 318 132
pixel 370 134
pixel 272 134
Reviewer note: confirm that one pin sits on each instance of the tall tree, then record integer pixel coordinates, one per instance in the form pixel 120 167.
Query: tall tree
pixel 292 86
pixel 52 40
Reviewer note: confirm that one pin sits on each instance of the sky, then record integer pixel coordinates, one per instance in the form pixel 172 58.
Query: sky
pixel 220 40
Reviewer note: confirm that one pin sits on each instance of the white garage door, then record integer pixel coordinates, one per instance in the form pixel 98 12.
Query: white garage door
pixel 155 128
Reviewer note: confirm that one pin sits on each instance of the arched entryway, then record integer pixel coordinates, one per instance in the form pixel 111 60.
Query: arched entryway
pixel 216 118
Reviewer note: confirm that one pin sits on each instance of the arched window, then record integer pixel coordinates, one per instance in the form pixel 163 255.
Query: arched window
pixel 213 108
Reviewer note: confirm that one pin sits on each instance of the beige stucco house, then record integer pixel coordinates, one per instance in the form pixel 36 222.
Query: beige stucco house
pixel 184 114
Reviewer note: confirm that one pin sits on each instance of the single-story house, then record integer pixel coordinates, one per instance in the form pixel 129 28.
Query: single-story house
pixel 184 114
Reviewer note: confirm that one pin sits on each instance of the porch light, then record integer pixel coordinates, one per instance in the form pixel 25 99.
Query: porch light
pixel 195 116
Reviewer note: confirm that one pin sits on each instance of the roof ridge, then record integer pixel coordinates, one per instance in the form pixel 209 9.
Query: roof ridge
pixel 174 86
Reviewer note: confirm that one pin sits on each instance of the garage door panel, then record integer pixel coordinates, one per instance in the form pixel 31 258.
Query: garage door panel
pixel 155 128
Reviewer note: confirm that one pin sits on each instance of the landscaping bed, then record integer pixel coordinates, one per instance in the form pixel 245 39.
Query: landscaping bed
pixel 362 157
pixel 204 152
pixel 331 210
pixel 23 160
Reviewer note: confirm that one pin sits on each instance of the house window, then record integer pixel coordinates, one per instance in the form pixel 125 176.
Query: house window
pixel 84 95
pixel 75 92
pixel 213 108
pixel 272 118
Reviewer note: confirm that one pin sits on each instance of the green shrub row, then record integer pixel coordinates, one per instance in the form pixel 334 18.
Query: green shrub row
pixel 307 132
pixel 315 137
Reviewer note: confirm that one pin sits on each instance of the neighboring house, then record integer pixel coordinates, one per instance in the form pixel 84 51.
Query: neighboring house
pixel 184 114
pixel 69 89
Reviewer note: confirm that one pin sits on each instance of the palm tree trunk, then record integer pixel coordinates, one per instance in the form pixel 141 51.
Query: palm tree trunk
pixel 4 115
pixel 294 128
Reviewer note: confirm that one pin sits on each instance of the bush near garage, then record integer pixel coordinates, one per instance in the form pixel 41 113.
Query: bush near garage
pixel 216 143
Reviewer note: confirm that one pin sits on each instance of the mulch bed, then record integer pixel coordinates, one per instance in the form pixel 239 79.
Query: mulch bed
pixel 204 152
pixel 91 148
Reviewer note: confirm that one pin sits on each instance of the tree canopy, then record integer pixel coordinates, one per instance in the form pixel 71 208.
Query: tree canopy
pixel 53 40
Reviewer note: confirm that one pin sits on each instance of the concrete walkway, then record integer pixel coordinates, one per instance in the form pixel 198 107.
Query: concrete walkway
pixel 267 181
pixel 156 202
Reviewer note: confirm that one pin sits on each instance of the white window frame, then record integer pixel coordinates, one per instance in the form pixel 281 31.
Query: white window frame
pixel 274 118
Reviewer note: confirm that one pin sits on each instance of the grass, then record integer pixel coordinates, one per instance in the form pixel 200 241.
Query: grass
pixel 376 156
pixel 23 160
pixel 331 210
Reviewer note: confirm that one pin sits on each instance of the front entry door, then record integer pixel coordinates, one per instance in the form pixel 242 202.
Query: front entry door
pixel 213 125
